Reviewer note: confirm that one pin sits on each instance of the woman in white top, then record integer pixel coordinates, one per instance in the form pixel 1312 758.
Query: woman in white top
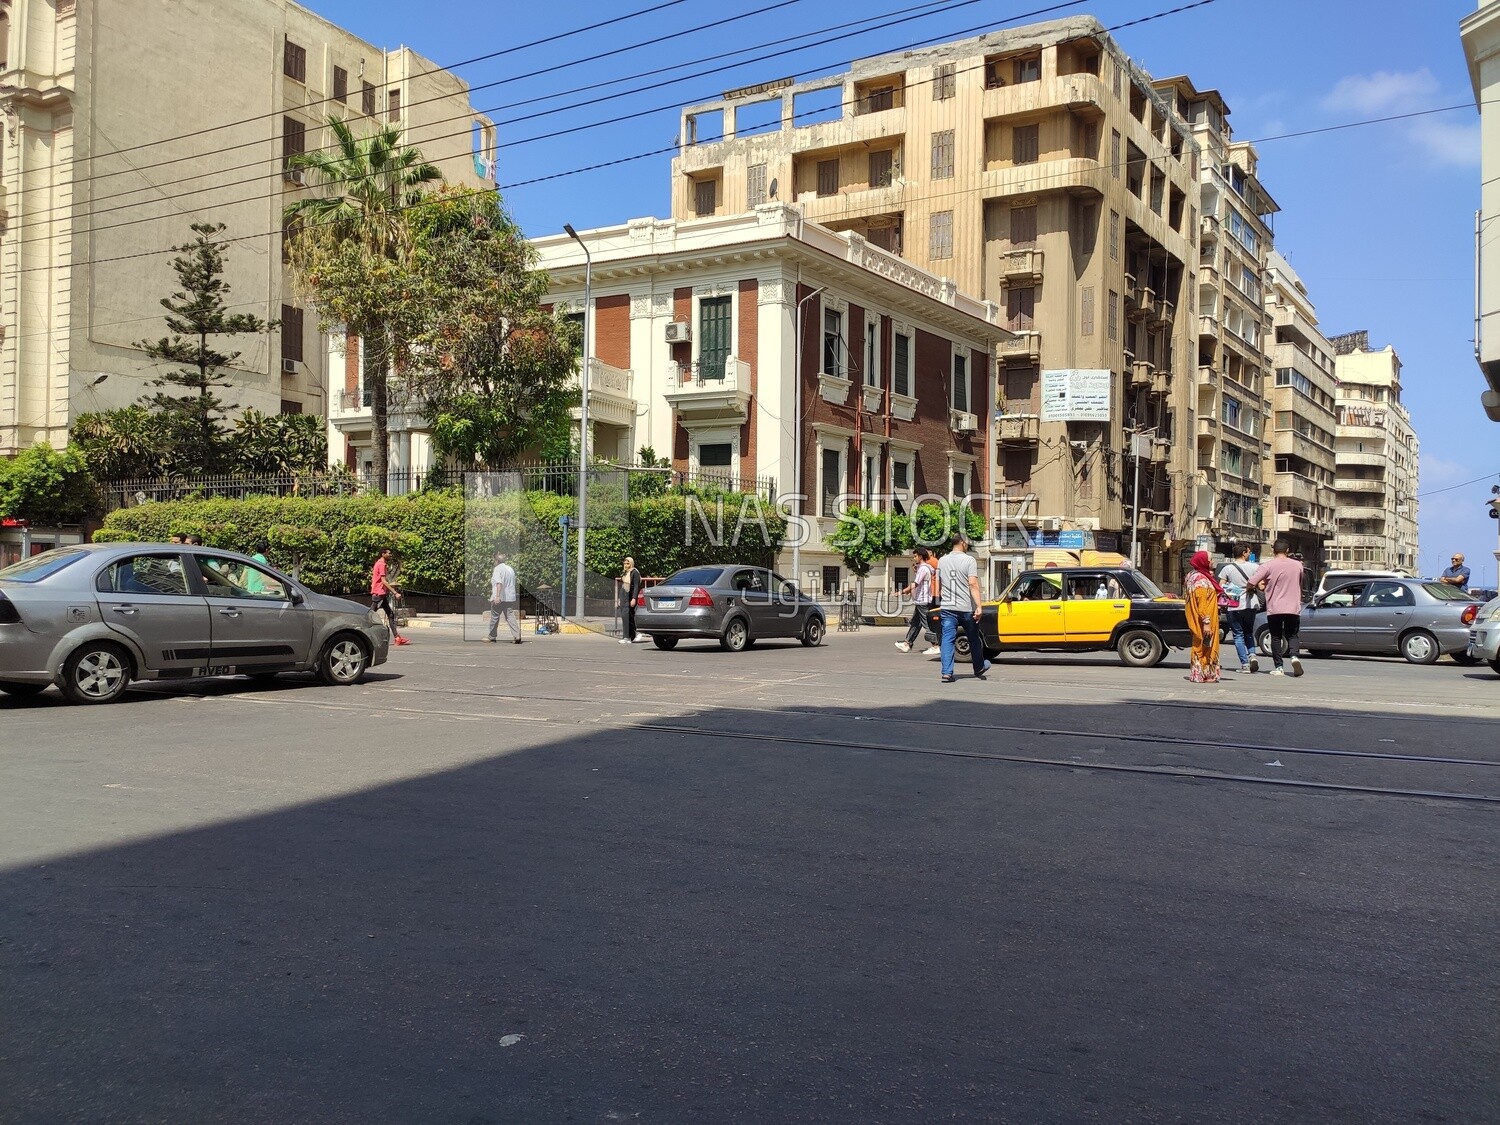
pixel 1237 576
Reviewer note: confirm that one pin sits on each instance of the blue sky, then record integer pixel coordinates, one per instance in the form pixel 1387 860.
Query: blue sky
pixel 1377 220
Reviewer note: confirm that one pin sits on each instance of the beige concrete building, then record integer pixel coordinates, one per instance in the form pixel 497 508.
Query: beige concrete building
pixel 694 344
pixel 125 121
pixel 1301 463
pixel 1039 169
pixel 1377 460
pixel 1480 32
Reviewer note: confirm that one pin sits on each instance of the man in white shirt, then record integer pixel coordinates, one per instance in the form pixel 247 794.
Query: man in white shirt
pixel 920 592
pixel 503 600
pixel 960 607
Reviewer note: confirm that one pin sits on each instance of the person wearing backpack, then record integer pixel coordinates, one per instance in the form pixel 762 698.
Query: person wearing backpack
pixel 1241 604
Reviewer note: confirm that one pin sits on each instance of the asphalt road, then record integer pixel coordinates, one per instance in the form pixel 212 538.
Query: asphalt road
pixel 575 881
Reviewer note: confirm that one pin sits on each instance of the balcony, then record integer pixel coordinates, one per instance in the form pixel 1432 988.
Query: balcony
pixel 1084 94
pixel 1352 513
pixel 611 400
pixel 1023 347
pixel 1161 451
pixel 354 407
pixel 1131 293
pixel 1208 328
pixel 1295 487
pixel 1342 540
pixel 1019 267
pixel 1161 381
pixel 717 398
pixel 1207 428
pixel 1208 275
pixel 1358 484
pixel 1018 427
pixel 1207 377
pixel 1208 227
pixel 1144 307
pixel 1350 458
pixel 1165 310
pixel 1140 373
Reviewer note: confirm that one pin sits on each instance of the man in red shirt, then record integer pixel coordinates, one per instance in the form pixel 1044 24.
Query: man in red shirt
pixel 1281 580
pixel 382 594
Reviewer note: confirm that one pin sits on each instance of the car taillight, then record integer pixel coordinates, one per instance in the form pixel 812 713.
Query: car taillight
pixel 8 614
pixel 1470 612
pixel 700 597
pixel 640 600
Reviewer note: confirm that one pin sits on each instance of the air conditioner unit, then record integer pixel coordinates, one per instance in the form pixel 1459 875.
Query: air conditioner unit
pixel 962 422
pixel 294 176
pixel 679 332
pixel 1050 523
pixel 289 366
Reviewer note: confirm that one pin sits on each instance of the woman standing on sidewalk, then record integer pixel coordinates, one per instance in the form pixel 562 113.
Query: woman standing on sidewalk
pixel 1203 593
pixel 630 589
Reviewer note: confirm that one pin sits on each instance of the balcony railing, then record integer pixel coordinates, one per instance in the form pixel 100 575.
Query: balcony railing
pixel 1023 345
pixel 1018 427
pixel 1140 373
pixel 1020 267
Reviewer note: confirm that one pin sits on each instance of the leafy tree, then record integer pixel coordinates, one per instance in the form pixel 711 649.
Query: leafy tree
pixel 934 524
pixel 196 312
pixel 47 486
pixel 495 372
pixel 351 249
pixel 123 443
pixel 865 537
pixel 280 443
pixel 299 543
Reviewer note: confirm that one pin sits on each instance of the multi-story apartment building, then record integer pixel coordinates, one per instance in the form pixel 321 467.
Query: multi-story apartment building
pixel 695 353
pixel 1233 369
pixel 127 121
pixel 1376 456
pixel 1480 31
pixel 1301 466
pixel 1039 169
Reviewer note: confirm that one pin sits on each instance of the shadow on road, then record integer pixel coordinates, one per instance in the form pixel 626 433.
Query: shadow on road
pixel 664 926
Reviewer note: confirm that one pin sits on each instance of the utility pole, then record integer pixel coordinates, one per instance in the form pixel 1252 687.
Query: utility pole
pixel 583 417
pixel 797 441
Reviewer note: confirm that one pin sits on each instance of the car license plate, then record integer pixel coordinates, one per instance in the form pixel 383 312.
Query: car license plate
pixel 666 603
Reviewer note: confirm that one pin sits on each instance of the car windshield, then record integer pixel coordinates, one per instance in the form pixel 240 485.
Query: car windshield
pixel 42 566
pixel 695 576
pixel 1148 587
pixel 1446 593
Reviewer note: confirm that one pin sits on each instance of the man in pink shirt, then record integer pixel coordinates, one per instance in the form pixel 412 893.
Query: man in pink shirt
pixel 1281 581
pixel 383 594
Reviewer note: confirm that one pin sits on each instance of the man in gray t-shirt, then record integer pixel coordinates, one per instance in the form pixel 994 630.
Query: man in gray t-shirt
pixel 958 601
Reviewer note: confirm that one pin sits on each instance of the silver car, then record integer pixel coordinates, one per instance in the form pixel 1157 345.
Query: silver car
pixel 734 605
pixel 1418 620
pixel 91 619
pixel 1484 637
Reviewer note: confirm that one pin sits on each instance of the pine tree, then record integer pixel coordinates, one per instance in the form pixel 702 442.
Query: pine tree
pixel 197 311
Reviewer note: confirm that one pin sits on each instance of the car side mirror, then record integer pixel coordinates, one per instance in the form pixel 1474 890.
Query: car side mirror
pixel 298 597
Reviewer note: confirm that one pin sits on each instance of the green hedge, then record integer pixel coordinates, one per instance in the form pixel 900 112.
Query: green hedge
pixel 431 527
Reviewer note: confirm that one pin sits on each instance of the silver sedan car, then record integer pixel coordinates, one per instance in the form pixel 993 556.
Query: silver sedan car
pixel 1484 637
pixel 734 605
pixel 91 619
pixel 1417 620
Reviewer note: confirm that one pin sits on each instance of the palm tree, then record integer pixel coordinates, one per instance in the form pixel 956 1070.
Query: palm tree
pixel 349 244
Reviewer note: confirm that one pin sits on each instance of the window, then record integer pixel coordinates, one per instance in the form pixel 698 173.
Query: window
pixel 960 484
pixel 1029 69
pixel 1023 226
pixel 393 106
pixel 830 581
pixel 828 177
pixel 1384 594
pixel 901 347
pixel 881 97
pixel 901 578
pixel 833 480
pixel 872 352
pixel 705 197
pixel 1114 315
pixel 1231 412
pixel 341 85
pixel 291 406
pixel 293 140
pixel 1020 308
pixel 144 574
pixel 1088 140
pixel 291 332
pixel 1086 311
pixel 294 61
pixel 960 382
pixel 1025 144
pixel 833 343
pixel 230 578
pixel 868 478
pixel 940 240
pixel 943 82
pixel 1114 236
pixel 880 168
pixel 716 455
pixel 367 99
pixel 713 337
pixel 942 155
pixel 755 185
pixel 1230 459
pixel 1114 150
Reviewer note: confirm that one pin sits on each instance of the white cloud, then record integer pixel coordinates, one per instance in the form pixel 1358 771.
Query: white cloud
pixel 1448 142
pixel 1381 92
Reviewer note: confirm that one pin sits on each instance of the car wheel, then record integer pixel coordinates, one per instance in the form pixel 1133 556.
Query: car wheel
pixel 1465 659
pixel 20 690
pixel 97 672
pixel 666 644
pixel 736 636
pixel 1140 648
pixel 343 661
pixel 960 648
pixel 1263 642
pixel 1420 647
pixel 1495 666
pixel 812 632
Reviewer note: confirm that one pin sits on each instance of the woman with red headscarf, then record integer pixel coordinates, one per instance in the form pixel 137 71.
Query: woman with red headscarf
pixel 1203 593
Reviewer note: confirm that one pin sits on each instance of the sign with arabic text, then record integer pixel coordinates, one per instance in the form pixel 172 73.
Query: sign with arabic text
pixel 1072 395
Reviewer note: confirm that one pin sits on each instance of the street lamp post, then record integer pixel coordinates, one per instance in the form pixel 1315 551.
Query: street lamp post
pixel 797 437
pixel 583 418
pixel 1135 493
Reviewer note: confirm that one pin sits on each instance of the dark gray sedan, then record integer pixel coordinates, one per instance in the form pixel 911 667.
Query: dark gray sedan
pixel 1387 617
pixel 734 605
pixel 91 619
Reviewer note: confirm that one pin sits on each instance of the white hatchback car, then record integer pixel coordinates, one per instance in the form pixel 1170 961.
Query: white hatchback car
pixel 1484 636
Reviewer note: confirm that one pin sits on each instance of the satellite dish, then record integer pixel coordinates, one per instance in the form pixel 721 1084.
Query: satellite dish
pixel 771 191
